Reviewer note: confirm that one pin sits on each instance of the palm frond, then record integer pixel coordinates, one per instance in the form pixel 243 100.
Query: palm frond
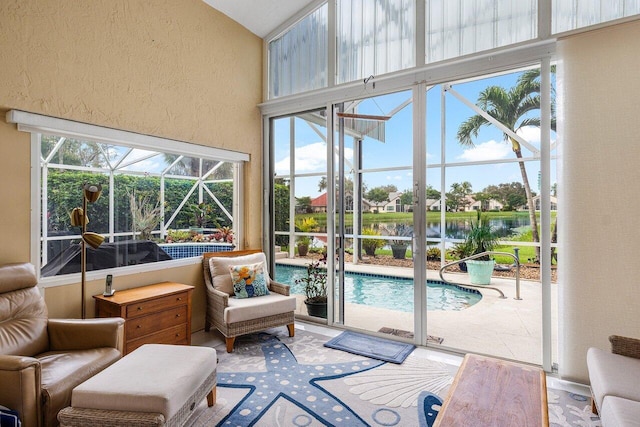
pixel 469 129
pixel 531 121
pixel 493 97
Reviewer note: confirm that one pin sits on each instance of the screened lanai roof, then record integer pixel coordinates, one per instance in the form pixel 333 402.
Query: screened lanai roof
pixel 71 153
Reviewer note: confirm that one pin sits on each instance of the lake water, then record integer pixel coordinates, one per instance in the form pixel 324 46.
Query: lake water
pixel 458 228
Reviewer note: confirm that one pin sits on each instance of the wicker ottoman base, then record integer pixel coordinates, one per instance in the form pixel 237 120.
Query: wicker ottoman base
pixel 82 417
pixel 98 402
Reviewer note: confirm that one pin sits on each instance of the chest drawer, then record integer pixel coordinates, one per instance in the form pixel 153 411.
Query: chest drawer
pixel 174 335
pixel 158 313
pixel 158 304
pixel 140 326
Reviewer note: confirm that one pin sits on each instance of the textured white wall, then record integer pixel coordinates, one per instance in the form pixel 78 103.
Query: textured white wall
pixel 599 119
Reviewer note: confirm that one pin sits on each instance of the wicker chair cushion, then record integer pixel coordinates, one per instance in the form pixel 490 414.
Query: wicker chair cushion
pixel 612 374
pixel 240 310
pixel 219 267
pixel 617 411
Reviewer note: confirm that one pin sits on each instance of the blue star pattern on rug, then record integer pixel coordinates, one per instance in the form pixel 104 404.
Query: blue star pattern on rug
pixel 287 379
pixel 430 405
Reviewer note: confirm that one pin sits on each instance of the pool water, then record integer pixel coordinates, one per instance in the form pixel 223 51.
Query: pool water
pixel 393 293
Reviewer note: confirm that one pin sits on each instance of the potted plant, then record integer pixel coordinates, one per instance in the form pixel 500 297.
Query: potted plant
pixel 481 238
pixel 315 290
pixel 399 246
pixel 305 225
pixel 371 245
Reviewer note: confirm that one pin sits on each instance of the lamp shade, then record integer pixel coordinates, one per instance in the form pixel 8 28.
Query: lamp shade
pixel 76 217
pixel 93 239
pixel 92 192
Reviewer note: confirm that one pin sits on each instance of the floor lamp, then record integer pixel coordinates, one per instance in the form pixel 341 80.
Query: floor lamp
pixel 90 194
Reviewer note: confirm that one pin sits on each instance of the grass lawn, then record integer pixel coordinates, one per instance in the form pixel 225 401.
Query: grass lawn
pixel 526 253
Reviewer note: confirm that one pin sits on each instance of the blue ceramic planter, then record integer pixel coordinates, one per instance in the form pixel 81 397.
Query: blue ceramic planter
pixel 480 271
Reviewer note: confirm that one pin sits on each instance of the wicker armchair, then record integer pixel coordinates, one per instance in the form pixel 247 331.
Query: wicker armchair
pixel 234 317
pixel 614 377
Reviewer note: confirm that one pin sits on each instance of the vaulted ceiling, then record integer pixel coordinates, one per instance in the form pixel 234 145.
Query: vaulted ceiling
pixel 260 17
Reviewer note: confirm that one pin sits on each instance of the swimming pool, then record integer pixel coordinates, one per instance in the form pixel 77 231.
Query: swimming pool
pixel 393 293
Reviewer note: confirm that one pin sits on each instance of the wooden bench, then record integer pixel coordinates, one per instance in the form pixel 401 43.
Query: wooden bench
pixel 495 393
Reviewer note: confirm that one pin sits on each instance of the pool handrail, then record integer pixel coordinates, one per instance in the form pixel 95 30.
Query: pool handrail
pixel 515 258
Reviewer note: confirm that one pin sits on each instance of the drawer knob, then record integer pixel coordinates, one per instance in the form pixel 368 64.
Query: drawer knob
pixel 177 335
pixel 139 308
pixel 138 327
pixel 177 315
pixel 179 298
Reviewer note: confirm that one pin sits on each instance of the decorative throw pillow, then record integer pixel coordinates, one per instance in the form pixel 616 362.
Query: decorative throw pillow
pixel 219 268
pixel 248 280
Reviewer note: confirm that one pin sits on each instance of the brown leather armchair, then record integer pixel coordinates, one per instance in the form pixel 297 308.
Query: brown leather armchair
pixel 42 360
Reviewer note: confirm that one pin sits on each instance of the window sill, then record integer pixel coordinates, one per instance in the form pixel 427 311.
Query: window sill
pixel 68 279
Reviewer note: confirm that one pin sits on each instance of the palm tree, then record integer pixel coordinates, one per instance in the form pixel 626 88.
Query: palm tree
pixel 511 107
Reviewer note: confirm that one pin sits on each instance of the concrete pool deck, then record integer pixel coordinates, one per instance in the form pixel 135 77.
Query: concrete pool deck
pixel 506 328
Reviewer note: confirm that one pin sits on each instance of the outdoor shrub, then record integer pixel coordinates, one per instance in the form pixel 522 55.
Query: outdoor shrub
pixel 370 245
pixel 433 254
pixel 178 236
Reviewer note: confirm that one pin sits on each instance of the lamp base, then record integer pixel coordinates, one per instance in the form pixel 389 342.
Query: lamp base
pixel 109 294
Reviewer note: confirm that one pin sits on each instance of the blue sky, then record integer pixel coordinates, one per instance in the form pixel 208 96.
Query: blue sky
pixel 397 148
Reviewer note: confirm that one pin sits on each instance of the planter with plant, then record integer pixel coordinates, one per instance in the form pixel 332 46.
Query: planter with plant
pixel 481 238
pixel 371 245
pixel 399 246
pixel 315 289
pixel 305 225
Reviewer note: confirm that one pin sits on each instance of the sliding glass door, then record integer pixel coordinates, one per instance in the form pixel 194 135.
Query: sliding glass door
pixel 486 155
pixel 388 199
pixel 374 214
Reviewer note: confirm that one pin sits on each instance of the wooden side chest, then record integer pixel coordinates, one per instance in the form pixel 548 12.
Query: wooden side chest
pixel 158 314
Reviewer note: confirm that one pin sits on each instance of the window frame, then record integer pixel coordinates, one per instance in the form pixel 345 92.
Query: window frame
pixel 37 125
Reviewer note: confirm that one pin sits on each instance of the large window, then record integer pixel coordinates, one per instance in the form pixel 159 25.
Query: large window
pixel 574 14
pixel 378 37
pixel 461 27
pixel 298 58
pixel 160 199
pixel 374 37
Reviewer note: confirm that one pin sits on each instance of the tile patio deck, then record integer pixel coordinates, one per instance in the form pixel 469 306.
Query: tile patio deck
pixel 506 328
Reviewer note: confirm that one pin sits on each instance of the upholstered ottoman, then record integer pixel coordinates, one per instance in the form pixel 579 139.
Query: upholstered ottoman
pixel 155 385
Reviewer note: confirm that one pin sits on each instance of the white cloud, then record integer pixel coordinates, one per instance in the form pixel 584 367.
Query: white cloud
pixel 530 134
pixel 490 150
pixel 309 158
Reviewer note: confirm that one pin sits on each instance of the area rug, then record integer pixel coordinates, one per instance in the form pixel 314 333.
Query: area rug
pixel 370 346
pixel 273 380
